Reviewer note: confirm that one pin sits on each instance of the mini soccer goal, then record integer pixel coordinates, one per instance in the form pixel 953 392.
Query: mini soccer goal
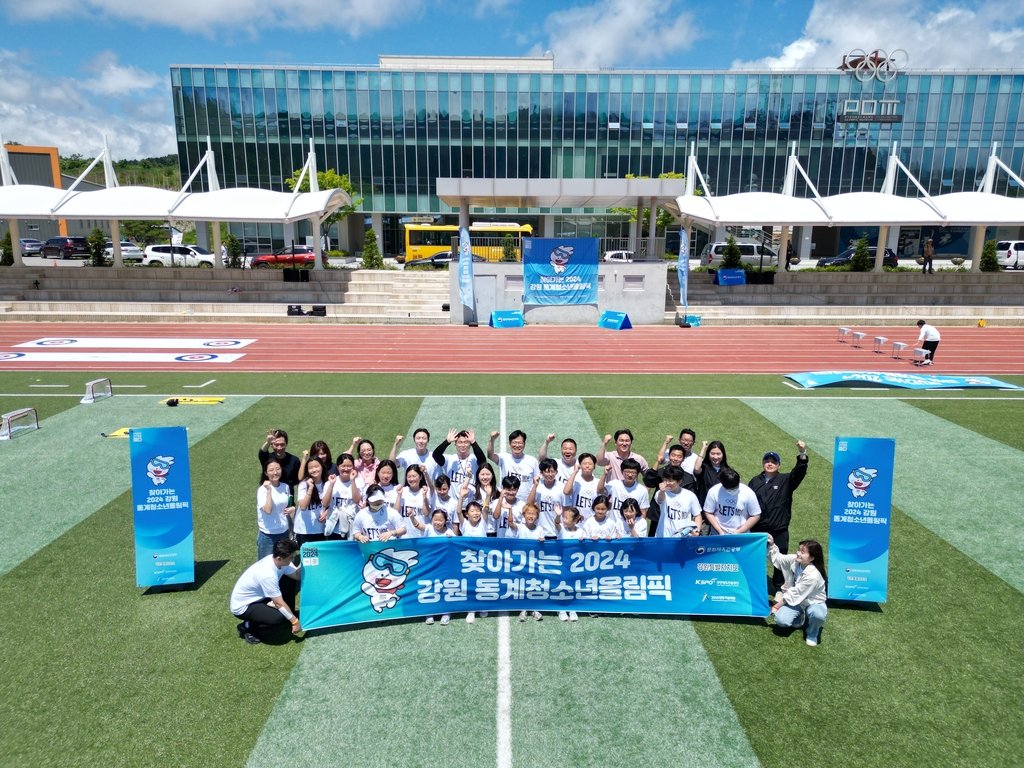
pixel 97 390
pixel 18 422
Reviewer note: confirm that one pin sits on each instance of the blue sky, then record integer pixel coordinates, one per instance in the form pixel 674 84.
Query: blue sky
pixel 72 70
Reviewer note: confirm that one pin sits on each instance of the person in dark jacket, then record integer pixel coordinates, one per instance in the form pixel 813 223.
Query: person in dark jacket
pixel 774 491
pixel 653 478
pixel 276 448
pixel 710 462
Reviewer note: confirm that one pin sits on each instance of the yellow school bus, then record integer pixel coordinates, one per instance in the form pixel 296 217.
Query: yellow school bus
pixel 424 240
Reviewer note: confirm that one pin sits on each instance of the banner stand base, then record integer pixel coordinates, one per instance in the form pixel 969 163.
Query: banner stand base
pixel 512 318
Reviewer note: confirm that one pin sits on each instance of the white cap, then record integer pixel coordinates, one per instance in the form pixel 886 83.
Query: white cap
pixel 375 497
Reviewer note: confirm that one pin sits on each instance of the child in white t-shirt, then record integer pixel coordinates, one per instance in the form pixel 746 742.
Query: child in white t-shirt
pixel 529 528
pixel 603 525
pixel 343 491
pixel 581 487
pixel 546 494
pixel 470 516
pixel 439 528
pixel 634 525
pixel 505 504
pixel 443 499
pixel 680 510
pixel 568 523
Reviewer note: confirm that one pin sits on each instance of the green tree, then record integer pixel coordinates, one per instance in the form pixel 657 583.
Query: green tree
pixel 6 251
pixel 371 253
pixel 732 256
pixel 989 262
pixel 861 260
pixel 509 252
pixel 147 232
pixel 329 179
pixel 97 245
pixel 234 251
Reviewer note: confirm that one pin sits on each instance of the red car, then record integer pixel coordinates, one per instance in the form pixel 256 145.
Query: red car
pixel 300 256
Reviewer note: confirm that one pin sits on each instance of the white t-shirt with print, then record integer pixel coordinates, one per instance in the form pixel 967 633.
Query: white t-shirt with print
pixel 525 468
pixel 732 508
pixel 261 581
pixel 277 520
pixel 307 521
pixel 678 511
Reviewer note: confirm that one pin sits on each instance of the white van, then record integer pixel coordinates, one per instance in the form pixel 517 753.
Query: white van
pixel 1010 254
pixel 751 253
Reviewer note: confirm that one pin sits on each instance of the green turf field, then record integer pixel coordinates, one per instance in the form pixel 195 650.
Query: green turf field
pixel 96 671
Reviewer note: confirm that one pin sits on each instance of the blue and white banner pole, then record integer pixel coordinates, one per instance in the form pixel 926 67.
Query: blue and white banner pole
pixel 683 270
pixel 466 293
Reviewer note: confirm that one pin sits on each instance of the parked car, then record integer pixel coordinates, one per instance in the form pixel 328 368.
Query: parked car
pixel 65 248
pixel 30 246
pixel 751 254
pixel 130 252
pixel 177 256
pixel 440 260
pixel 843 259
pixel 622 257
pixel 299 256
pixel 1010 254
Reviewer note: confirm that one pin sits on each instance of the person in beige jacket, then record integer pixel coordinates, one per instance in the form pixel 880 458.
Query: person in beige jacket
pixel 802 597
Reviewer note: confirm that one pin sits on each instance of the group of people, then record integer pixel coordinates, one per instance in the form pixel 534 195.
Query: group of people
pixel 461 489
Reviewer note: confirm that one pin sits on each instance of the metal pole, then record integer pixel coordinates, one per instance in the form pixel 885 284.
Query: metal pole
pixel 115 240
pixel 12 226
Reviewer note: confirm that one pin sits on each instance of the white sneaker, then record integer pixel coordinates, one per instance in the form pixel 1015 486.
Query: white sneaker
pixel 470 617
pixel 445 619
pixel 563 616
pixel 537 616
pixel 483 614
pixel 430 619
pixel 573 616
pixel 522 615
pixel 812 643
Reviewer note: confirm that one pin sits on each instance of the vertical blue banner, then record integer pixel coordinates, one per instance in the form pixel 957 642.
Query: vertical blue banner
pixel 466 293
pixel 344 582
pixel 683 269
pixel 557 271
pixel 162 505
pixel 858 534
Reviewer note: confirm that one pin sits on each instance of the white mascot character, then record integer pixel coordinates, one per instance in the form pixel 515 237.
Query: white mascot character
pixel 859 481
pixel 560 258
pixel 158 469
pixel 384 574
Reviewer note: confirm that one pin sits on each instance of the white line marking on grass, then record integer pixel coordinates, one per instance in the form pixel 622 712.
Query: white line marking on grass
pixel 197 386
pixel 504 692
pixel 794 386
pixel 52 386
pixel 504 713
pixel 811 394
pixel 128 386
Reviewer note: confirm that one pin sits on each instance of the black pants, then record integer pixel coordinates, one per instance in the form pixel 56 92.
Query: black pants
pixel 927 268
pixel 931 346
pixel 653 516
pixel 781 538
pixel 263 617
pixel 306 538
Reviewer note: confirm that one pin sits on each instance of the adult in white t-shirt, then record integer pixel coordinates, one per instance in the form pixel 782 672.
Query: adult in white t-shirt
pixel 515 463
pixel 272 509
pixel 566 462
pixel 460 466
pixel 731 506
pixel 262 597
pixel 547 495
pixel 581 487
pixel 310 516
pixel 419 454
pixel 928 339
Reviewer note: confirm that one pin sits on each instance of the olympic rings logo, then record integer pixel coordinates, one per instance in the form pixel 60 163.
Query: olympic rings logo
pixel 877 65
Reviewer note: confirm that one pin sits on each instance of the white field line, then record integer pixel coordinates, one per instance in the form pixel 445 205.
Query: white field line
pixel 49 386
pixel 791 384
pixel 504 714
pixel 810 394
pixel 197 386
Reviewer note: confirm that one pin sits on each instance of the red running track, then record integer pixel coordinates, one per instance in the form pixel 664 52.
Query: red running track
pixel 538 349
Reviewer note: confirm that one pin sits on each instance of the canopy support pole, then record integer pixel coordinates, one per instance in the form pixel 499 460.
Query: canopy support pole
pixel 317 246
pixel 883 237
pixel 12 227
pixel 115 241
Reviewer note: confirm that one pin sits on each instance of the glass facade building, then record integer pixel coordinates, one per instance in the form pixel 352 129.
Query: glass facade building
pixel 395 132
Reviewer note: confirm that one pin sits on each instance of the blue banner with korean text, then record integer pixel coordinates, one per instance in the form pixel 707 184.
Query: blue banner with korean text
pixel 466 295
pixel 560 271
pixel 344 582
pixel 858 533
pixel 162 506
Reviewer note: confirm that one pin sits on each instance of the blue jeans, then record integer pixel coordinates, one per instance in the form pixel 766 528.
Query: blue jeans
pixel 788 616
pixel 265 543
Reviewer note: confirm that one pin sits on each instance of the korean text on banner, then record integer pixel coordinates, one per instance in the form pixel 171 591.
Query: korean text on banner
pixel 858 533
pixel 559 271
pixel 344 582
pixel 683 268
pixel 466 295
pixel 162 506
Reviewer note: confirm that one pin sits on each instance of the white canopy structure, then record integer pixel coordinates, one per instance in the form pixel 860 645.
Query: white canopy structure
pixel 117 203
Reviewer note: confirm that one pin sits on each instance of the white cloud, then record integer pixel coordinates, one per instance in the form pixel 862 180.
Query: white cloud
pixel 252 16
pixel 486 8
pixel 617 31
pixel 73 115
pixel 985 34
pixel 114 79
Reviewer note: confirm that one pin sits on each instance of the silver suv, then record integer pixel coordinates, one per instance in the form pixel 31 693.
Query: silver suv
pixel 177 256
pixel 751 253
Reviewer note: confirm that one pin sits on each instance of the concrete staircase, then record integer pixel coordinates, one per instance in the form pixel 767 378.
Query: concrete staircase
pixel 202 295
pixel 844 298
